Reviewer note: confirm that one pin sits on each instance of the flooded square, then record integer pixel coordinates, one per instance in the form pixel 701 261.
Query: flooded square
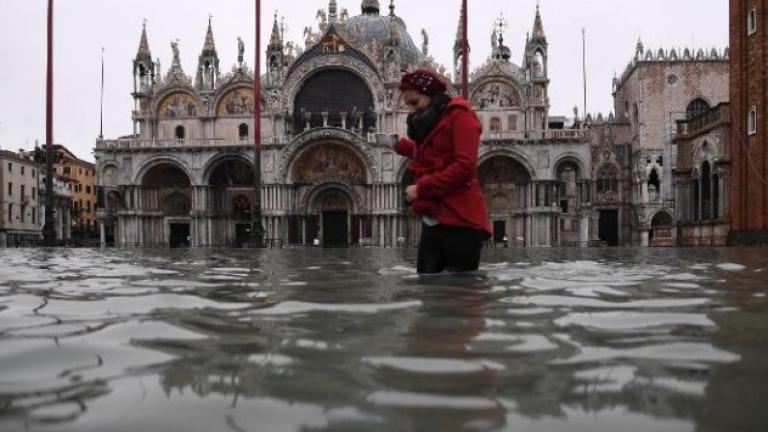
pixel 352 340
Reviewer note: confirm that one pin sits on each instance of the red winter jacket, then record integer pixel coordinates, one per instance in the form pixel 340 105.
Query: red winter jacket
pixel 445 168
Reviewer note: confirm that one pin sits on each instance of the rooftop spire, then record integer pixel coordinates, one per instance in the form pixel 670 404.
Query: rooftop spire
pixel 391 7
pixel 538 27
pixel 275 39
pixel 370 7
pixel 459 32
pixel 209 48
pixel 144 53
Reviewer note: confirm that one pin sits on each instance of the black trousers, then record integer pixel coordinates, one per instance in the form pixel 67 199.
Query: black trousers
pixel 449 249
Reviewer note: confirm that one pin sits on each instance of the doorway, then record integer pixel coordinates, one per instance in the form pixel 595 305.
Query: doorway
pixel 179 237
pixel 335 229
pixel 609 227
pixel 499 231
pixel 242 234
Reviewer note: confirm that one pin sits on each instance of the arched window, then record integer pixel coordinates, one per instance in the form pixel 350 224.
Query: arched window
pixel 654 185
pixel 242 132
pixel 696 208
pixel 538 65
pixel 608 179
pixel 752 21
pixel 706 191
pixel 635 114
pixel 696 108
pixel 752 121
pixel 495 124
pixel 180 132
pixel 715 196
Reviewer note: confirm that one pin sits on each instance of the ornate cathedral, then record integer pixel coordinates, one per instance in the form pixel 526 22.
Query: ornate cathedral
pixel 329 106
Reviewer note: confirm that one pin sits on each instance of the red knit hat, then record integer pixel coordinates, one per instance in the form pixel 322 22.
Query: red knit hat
pixel 424 81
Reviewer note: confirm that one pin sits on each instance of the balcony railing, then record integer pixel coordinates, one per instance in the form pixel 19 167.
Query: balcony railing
pixel 689 127
pixel 549 134
pixel 138 144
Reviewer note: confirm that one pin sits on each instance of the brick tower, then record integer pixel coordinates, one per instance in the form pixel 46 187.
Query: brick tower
pixel 749 135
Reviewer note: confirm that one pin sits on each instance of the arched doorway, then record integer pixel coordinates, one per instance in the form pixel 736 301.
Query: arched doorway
pixel 506 184
pixel 231 185
pixel 320 168
pixel 333 209
pixel 662 228
pixel 168 189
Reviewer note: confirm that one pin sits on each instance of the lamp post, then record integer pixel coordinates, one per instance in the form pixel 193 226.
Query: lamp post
pixel 49 231
pixel 257 226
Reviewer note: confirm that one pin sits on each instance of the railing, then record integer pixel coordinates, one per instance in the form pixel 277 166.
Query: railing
pixel 721 113
pixel 138 144
pixel 549 134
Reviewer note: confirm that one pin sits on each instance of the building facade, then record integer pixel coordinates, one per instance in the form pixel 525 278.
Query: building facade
pixel 19 200
pixel 329 106
pixel 749 132
pixel 639 143
pixel 702 176
pixel 80 178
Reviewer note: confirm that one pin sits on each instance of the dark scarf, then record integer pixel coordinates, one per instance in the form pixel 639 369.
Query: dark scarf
pixel 421 123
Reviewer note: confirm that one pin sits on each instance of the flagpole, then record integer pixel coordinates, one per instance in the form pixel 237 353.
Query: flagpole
pixel 584 66
pixel 465 52
pixel 49 231
pixel 257 229
pixel 101 102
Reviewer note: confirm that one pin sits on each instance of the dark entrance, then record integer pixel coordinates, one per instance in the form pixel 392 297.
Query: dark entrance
pixel 179 235
pixel 335 229
pixel 242 234
pixel 609 227
pixel 499 231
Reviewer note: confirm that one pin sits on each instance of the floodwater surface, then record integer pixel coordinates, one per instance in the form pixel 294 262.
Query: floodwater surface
pixel 352 340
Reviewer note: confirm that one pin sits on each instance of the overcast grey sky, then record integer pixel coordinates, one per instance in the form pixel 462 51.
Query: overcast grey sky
pixel 84 26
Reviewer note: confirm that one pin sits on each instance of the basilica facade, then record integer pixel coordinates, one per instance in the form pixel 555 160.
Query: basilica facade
pixel 329 172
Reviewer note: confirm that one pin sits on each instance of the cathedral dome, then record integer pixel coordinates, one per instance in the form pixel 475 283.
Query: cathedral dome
pixel 374 26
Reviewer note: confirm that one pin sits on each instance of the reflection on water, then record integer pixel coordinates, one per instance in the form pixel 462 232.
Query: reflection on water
pixel 353 340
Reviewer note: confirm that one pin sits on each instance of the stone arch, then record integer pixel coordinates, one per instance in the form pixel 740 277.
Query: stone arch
pixel 310 200
pixel 296 78
pixel 570 158
pixel 212 164
pixel 661 219
pixel 516 156
pixel 161 160
pixel 109 174
pixel 318 137
pixel 500 169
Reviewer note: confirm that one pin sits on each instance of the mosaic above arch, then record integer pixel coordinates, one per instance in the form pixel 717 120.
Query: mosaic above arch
pixel 179 105
pixel 238 102
pixel 496 94
pixel 329 162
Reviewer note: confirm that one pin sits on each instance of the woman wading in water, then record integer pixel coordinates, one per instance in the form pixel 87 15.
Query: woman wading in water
pixel 443 143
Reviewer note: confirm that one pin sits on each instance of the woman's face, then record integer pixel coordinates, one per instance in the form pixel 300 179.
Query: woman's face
pixel 414 100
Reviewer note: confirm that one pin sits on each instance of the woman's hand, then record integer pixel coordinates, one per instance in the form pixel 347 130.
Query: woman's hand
pixel 412 193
